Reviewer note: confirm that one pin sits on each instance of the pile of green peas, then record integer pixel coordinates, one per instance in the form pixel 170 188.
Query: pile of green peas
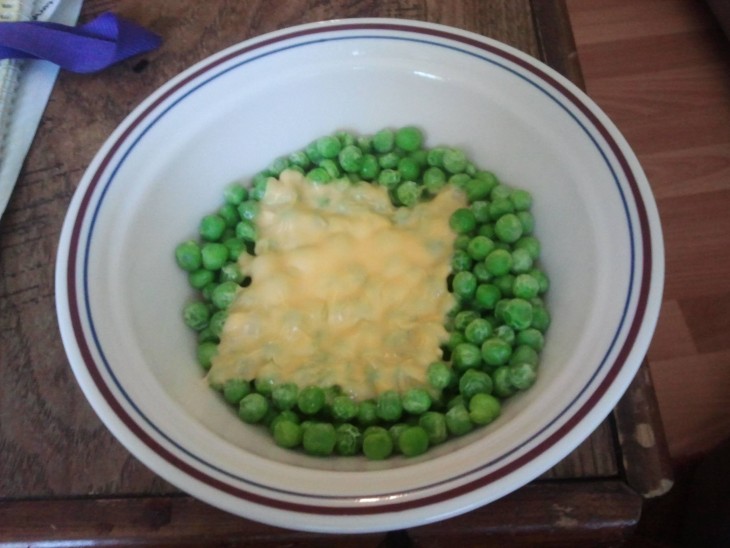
pixel 496 330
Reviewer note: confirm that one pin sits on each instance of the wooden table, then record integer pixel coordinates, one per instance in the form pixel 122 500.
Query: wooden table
pixel 65 479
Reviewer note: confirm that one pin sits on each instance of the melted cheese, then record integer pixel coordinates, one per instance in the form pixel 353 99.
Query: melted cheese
pixel 346 289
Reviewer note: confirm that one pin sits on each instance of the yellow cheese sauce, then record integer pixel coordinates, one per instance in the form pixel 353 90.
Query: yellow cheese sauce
pixel 346 289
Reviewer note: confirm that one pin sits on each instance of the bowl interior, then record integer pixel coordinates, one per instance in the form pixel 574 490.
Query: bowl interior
pixel 166 168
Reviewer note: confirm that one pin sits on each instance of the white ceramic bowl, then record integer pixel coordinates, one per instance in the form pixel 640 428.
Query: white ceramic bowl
pixel 119 292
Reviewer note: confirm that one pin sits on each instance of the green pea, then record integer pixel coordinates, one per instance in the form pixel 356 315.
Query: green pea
pixel 249 210
pixel 486 296
pixel 484 408
pixel 522 375
pixel 479 247
pixel 344 408
pixel 531 337
pixel 521 199
pixel 524 354
pixel 328 146
pixel 416 401
pixel 461 261
pixel 508 228
pixel 478 331
pixel 408 138
pixel 351 159
pixel 506 333
pixel 217 321
pixel 434 424
pixel 540 318
pixel 474 382
pixel 408 193
pixel 458 421
pixel 505 284
pixel 464 285
pixel 518 314
pixel 495 351
pixel 287 434
pixel 205 353
pixel 463 318
pixel 319 439
pixel 234 194
pixel 454 160
pixel 234 390
pixel 196 315
pixel 521 261
pixel 377 443
pixel 284 395
pixel 310 399
pixel 348 439
pixel 525 286
pixel 211 227
pixel 455 339
pixel 300 159
pixel 224 294
pixel 188 256
pixel 466 355
pixel 383 141
pixel 498 262
pixel 331 167
pixel 231 272
pixel 499 207
pixel 264 385
pixel 527 220
pixel 435 157
pixel 502 384
pixel 462 241
pixel 434 179
pixel 389 178
pixel 319 175
pixel 390 160
pixel 253 407
pixel 408 168
pixel 480 208
pixel 367 414
pixel 389 406
pixel 462 221
pixel 439 375
pixel 413 441
pixel 477 189
pixel 370 168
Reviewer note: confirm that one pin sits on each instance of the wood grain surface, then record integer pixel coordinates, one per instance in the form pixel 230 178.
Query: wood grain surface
pixel 661 70
pixel 57 462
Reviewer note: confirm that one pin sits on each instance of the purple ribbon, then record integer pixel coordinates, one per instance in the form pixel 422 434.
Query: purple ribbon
pixel 106 40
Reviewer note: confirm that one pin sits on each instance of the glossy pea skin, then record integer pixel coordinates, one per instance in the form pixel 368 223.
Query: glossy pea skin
pixel 234 390
pixel 498 262
pixel 466 355
pixel 508 228
pixel 377 443
pixel 287 434
pixel 319 439
pixel 479 247
pixel 495 351
pixel 531 337
pixel 518 314
pixel 484 408
pixel 389 406
pixel 310 400
pixel 434 424
pixel 224 294
pixel 348 439
pixel 214 255
pixel 413 441
pixel 253 407
pixel 439 375
pixel 205 353
pixel 462 221
pixel 458 421
pixel 284 395
pixel 211 227
pixel 474 382
pixel 196 315
pixel 487 296
pixel 408 138
pixel 416 401
pixel 464 285
pixel 188 256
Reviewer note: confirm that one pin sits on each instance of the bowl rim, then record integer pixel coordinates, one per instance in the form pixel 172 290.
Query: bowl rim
pixel 587 417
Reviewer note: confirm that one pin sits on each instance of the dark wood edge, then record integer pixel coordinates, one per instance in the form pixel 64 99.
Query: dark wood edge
pixel 602 511
pixel 555 38
pixel 645 455
pixel 639 430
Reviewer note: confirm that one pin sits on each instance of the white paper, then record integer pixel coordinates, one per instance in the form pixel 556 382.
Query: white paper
pixel 34 85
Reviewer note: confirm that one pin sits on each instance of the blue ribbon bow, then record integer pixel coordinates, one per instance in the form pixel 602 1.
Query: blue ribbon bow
pixel 106 40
